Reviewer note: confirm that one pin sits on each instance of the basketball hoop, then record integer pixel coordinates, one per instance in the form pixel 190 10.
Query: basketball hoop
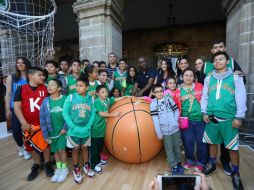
pixel 27 29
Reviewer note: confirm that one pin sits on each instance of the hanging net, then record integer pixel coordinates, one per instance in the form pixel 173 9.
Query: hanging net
pixel 26 29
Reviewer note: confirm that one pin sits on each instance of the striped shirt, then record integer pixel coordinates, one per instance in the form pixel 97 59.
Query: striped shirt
pixel 111 70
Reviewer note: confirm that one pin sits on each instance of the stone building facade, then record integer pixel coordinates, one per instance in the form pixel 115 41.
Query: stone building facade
pixel 100 28
pixel 240 40
pixel 197 37
pixel 101 23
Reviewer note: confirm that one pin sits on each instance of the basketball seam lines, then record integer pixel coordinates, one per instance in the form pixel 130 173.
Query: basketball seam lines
pixel 112 136
pixel 127 103
pixel 137 131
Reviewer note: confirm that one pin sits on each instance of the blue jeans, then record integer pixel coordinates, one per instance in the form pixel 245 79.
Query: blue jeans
pixel 193 136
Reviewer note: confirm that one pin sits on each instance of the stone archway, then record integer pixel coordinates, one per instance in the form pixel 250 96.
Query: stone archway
pixel 172 51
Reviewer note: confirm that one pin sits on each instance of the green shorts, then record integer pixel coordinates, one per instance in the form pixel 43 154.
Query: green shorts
pixel 73 142
pixel 58 144
pixel 223 132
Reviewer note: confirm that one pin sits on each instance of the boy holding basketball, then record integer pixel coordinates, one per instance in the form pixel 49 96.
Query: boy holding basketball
pixel 27 101
pixel 102 104
pixel 78 113
pixel 165 118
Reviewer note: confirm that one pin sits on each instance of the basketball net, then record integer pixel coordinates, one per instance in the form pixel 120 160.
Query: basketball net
pixel 26 30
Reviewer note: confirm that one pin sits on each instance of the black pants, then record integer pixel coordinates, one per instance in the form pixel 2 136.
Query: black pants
pixel 16 129
pixel 96 148
pixel 224 154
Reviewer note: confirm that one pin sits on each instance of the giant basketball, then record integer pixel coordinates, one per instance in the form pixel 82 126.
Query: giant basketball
pixel 131 137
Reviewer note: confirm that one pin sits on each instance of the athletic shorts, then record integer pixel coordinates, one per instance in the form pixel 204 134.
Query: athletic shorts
pixel 58 144
pixel 223 132
pixel 73 142
pixel 28 146
pixel 34 140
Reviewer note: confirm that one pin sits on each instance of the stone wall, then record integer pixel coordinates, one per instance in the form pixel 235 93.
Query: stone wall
pixel 100 28
pixel 197 37
pixel 232 32
pixel 240 36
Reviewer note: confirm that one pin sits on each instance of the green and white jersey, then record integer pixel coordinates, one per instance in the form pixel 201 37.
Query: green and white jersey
pixel 57 120
pixel 79 113
pixel 128 88
pixel 71 84
pixel 99 125
pixel 92 88
pixel 221 97
pixel 187 96
pixel 119 78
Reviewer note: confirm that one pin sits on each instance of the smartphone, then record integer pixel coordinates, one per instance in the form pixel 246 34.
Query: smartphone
pixel 178 182
pixel 213 119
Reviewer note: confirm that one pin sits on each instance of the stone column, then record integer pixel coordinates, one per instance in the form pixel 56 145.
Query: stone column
pixel 246 49
pixel 100 28
pixel 8 51
pixel 246 42
pixel 240 40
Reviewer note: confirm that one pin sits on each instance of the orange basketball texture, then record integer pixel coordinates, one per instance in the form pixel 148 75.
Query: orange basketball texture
pixel 131 137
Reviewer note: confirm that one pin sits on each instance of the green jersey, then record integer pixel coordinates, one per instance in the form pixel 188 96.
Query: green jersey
pixel 119 78
pixel 79 113
pixel 57 120
pixel 99 125
pixel 128 88
pixel 71 84
pixel 106 85
pixel 49 78
pixel 221 98
pixel 188 100
pixel 92 88
pixel 209 67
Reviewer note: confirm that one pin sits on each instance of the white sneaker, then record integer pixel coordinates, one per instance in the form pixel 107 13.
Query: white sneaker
pixel 98 169
pixel 56 175
pixel 27 155
pixel 78 178
pixel 103 163
pixel 88 171
pixel 21 151
pixel 63 175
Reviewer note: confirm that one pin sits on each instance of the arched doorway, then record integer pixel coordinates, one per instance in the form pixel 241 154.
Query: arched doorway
pixel 172 51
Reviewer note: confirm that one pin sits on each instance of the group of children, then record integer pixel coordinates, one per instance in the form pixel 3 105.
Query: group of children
pixel 214 113
pixel 71 111
pixel 75 121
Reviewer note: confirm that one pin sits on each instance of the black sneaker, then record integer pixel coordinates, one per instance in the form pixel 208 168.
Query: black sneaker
pixel 237 183
pixel 210 168
pixel 34 172
pixel 227 169
pixel 49 170
pixel 42 165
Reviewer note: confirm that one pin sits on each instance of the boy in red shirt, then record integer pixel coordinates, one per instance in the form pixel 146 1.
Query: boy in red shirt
pixel 27 102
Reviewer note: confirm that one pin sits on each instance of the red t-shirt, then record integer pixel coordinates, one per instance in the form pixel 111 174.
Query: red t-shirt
pixel 31 102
